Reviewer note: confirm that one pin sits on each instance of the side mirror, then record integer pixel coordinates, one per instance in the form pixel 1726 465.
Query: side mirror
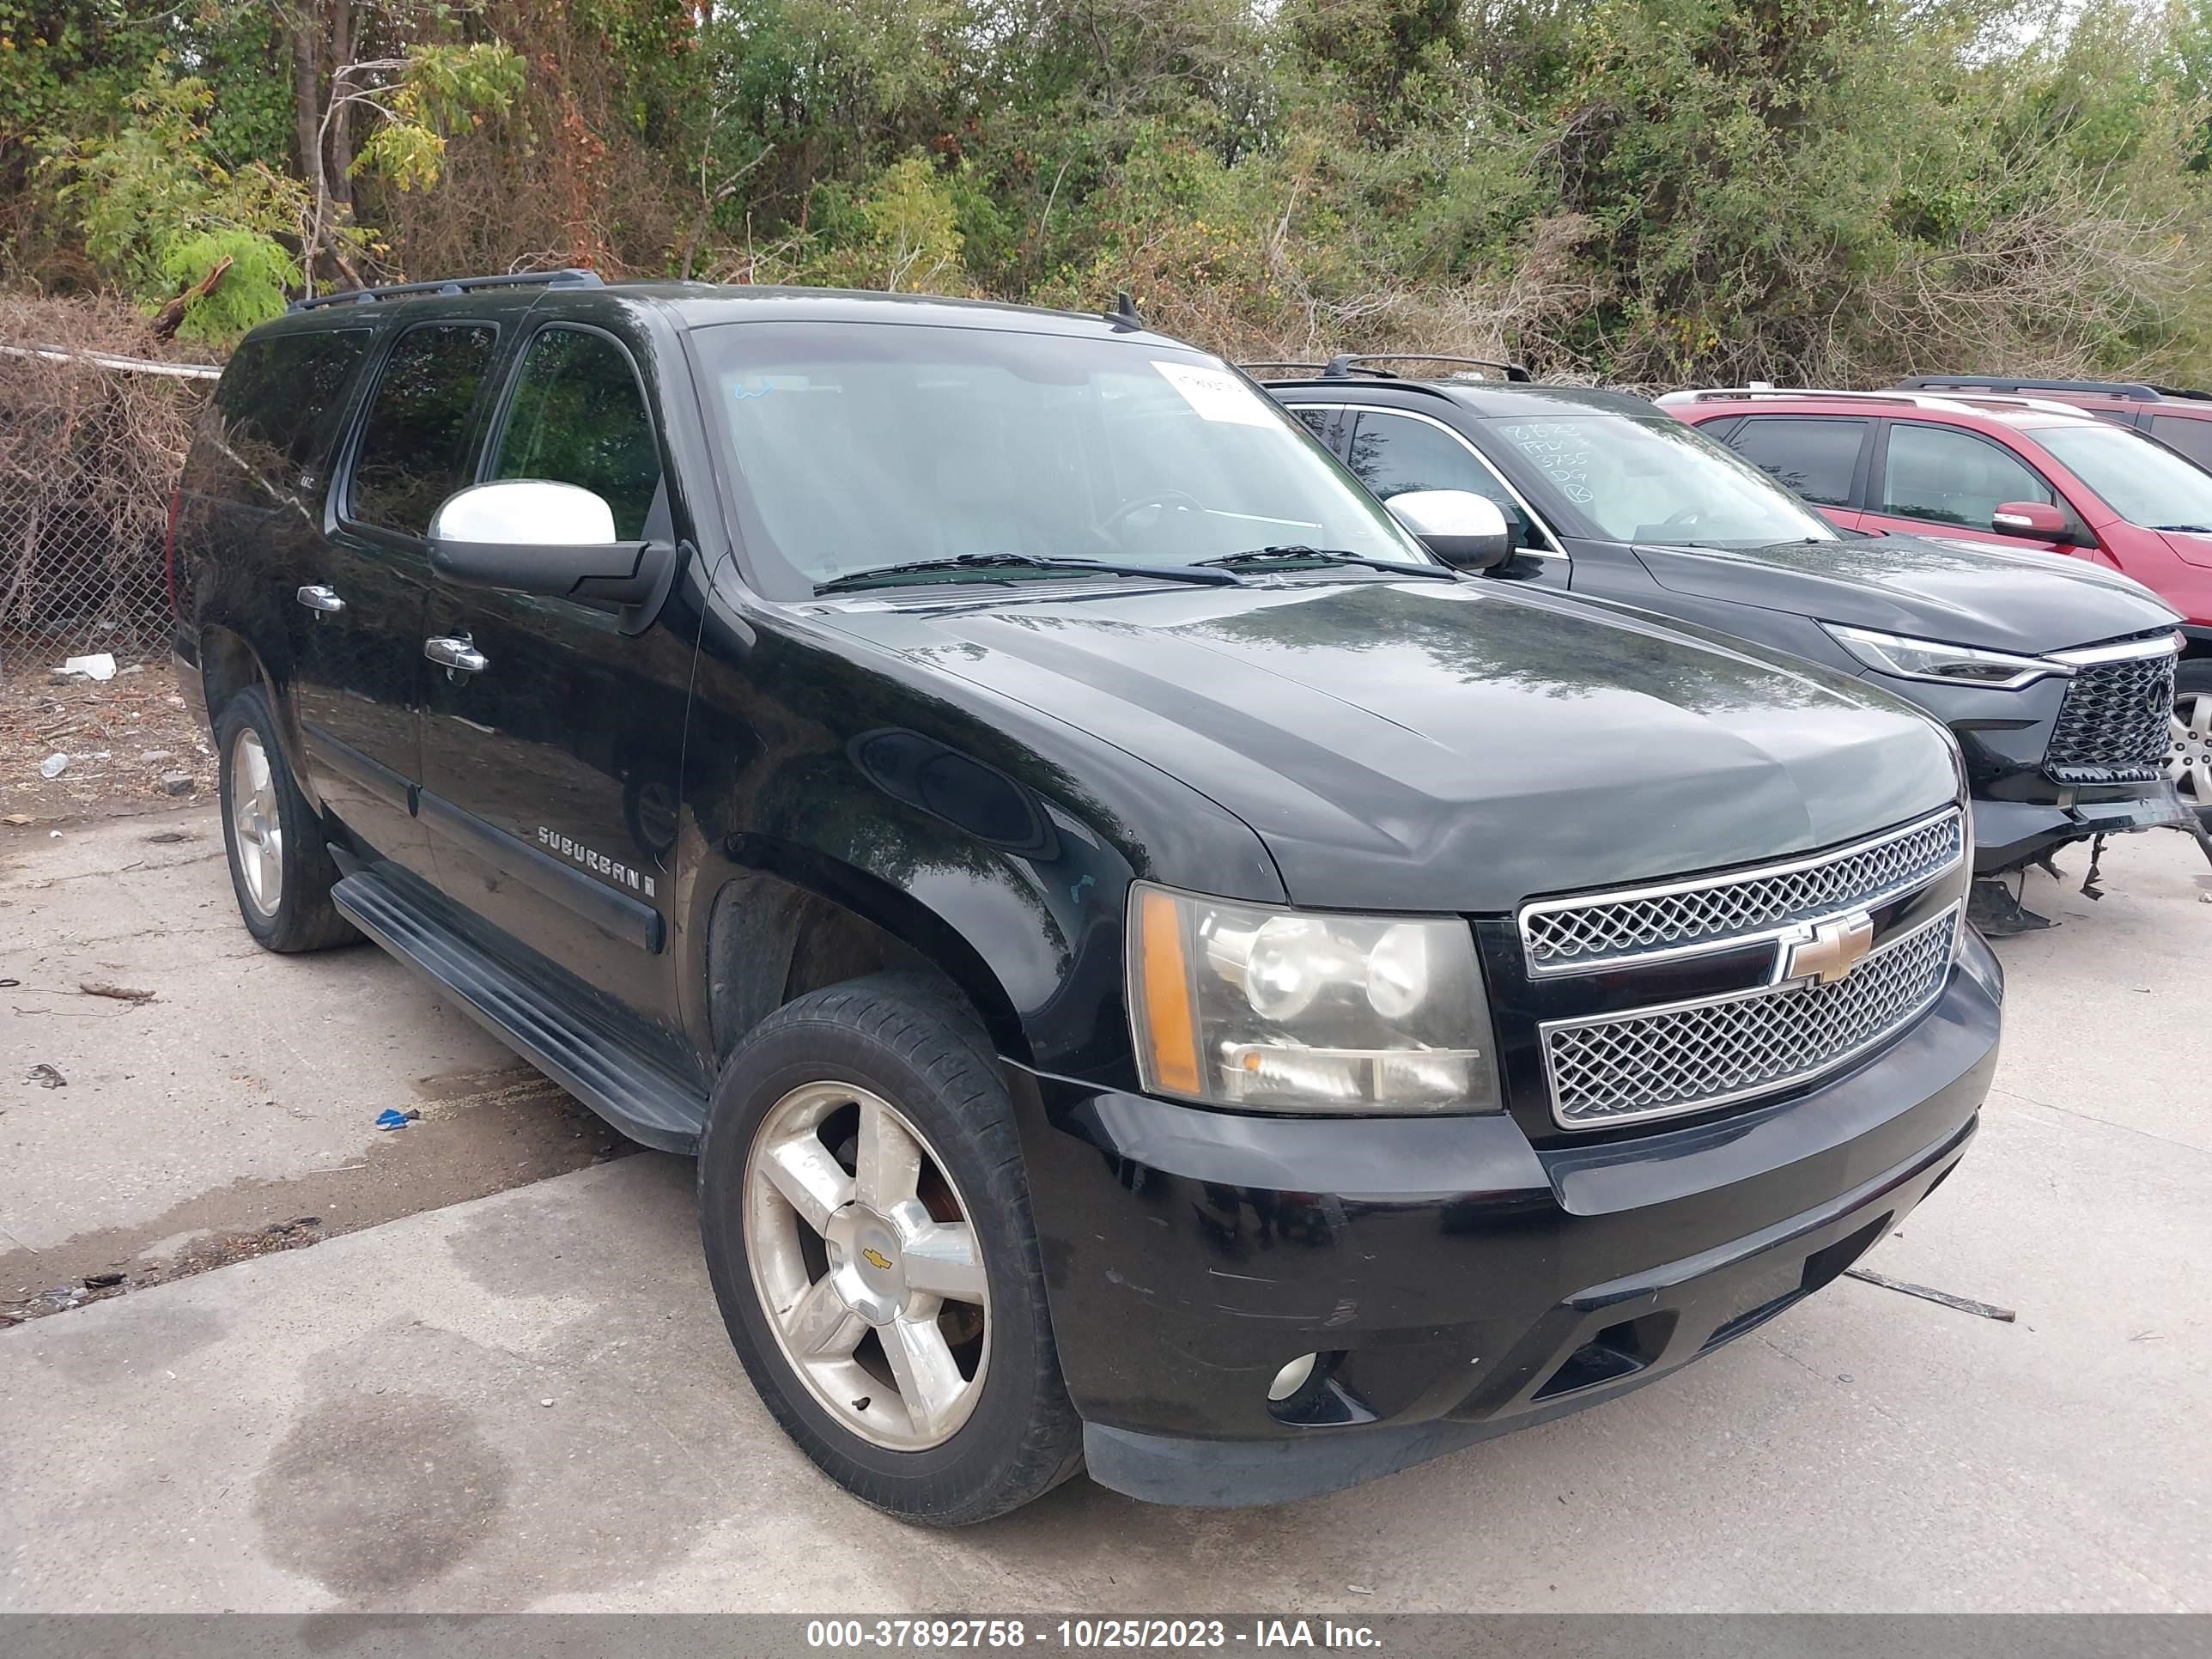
pixel 1466 531
pixel 2038 518
pixel 532 536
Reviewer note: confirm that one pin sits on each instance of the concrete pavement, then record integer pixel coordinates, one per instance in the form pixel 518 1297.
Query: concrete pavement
pixel 246 1089
pixel 360 1424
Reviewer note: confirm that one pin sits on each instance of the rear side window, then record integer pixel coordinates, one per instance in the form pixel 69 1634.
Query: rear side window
pixel 1816 458
pixel 265 434
pixel 414 444
pixel 578 417
pixel 1952 478
pixel 2192 438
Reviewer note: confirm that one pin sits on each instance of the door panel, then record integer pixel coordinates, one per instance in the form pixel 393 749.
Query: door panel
pixel 551 774
pixel 361 673
pixel 1394 451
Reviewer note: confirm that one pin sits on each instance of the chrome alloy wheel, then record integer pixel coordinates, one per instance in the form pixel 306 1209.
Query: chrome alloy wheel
pixel 256 823
pixel 867 1266
pixel 2188 764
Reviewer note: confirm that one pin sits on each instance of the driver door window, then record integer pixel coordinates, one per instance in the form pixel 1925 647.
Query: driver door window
pixel 1952 478
pixel 1395 453
pixel 577 417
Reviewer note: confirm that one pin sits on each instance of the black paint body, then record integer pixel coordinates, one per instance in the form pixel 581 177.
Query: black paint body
pixel 636 834
pixel 1775 600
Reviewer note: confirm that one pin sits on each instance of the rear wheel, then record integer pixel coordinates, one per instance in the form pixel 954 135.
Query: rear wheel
pixel 868 1233
pixel 280 869
pixel 2189 760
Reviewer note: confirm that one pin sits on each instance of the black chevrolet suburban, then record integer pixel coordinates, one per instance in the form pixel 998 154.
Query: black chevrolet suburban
pixel 1142 993
pixel 2056 677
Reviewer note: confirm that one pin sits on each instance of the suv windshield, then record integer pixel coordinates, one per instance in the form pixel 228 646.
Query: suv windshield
pixel 1652 478
pixel 899 444
pixel 2142 482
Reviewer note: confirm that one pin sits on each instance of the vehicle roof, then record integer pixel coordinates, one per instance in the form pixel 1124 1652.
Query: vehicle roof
pixel 1965 409
pixel 1482 397
pixel 705 305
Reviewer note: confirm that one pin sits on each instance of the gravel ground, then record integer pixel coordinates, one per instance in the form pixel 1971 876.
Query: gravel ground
pixel 132 745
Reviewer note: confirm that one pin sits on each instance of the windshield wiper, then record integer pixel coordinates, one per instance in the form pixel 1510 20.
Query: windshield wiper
pixel 2186 529
pixel 1293 555
pixel 959 565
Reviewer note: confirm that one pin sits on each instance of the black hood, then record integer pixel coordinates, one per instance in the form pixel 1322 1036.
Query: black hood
pixel 1424 747
pixel 1963 593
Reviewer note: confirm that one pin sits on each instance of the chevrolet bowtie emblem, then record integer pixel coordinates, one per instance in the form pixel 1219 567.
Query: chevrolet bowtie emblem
pixel 1832 952
pixel 876 1259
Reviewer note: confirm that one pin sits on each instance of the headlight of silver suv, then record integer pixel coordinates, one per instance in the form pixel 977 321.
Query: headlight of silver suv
pixel 1947 664
pixel 1292 1011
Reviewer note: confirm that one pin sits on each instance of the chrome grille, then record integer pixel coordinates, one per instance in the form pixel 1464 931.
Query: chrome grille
pixel 1662 1062
pixel 2114 720
pixel 1604 930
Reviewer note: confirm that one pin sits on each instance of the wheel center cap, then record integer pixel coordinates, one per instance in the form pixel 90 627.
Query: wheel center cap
pixel 864 1257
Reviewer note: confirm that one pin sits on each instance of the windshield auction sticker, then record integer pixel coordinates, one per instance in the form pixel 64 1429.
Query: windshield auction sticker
pixel 1216 394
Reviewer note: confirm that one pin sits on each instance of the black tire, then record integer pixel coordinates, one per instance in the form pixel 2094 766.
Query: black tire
pixel 2192 681
pixel 303 917
pixel 919 1049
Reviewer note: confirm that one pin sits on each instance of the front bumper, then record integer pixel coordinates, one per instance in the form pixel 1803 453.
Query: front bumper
pixel 2008 834
pixel 1459 1282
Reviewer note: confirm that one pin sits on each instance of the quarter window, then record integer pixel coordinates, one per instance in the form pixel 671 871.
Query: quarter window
pixel 1952 478
pixel 1816 458
pixel 578 417
pixel 415 446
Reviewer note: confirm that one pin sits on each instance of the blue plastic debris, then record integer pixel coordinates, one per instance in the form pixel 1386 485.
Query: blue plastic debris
pixel 390 1119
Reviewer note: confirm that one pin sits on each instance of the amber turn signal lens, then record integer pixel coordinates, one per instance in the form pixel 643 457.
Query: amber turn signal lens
pixel 1169 1032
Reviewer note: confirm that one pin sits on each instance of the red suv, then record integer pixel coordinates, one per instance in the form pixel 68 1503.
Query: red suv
pixel 2171 414
pixel 2003 471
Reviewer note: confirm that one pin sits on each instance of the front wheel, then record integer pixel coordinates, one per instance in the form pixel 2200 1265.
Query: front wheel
pixel 2189 760
pixel 868 1232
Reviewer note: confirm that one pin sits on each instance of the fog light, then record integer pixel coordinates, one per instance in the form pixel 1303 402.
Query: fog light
pixel 1292 1377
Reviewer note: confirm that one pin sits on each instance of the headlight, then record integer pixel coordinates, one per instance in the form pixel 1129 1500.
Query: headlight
pixel 1948 665
pixel 1240 1005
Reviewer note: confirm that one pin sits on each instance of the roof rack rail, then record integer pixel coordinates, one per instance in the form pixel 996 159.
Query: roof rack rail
pixel 572 277
pixel 2135 390
pixel 1346 364
pixel 1739 394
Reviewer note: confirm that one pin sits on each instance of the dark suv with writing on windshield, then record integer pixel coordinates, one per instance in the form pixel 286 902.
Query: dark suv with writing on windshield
pixel 1159 967
pixel 2057 678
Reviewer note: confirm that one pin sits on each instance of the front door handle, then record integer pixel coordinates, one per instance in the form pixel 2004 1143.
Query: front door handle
pixel 458 654
pixel 318 598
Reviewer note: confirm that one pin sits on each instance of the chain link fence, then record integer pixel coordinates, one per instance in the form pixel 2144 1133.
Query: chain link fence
pixel 90 446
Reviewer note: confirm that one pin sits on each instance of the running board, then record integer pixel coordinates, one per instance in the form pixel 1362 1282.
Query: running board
pixel 636 1097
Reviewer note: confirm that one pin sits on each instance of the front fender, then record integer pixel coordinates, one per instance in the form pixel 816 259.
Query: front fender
pixel 996 843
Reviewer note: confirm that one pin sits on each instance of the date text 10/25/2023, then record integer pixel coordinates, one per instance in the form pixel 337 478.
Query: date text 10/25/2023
pixel 1089 1635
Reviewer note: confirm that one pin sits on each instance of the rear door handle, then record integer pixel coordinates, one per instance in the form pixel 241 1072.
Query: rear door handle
pixel 318 598
pixel 460 655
